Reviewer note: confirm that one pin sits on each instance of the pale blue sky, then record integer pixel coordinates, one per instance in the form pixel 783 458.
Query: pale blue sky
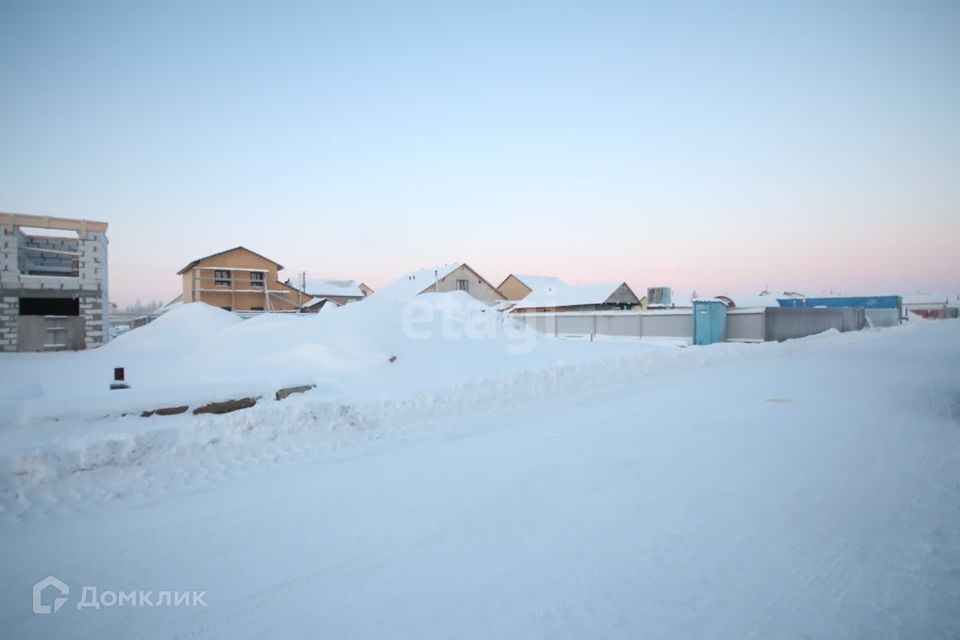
pixel 712 146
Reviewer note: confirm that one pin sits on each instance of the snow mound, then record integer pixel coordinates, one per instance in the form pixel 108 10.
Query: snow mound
pixel 178 329
pixel 372 348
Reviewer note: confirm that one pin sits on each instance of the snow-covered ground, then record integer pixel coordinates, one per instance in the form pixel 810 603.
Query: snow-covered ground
pixel 495 484
pixel 198 352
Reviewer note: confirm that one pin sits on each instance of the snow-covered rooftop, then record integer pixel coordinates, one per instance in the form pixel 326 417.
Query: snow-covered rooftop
pixel 539 282
pixel 567 295
pixel 925 298
pixel 324 287
pixel 766 298
pixel 750 300
pixel 410 284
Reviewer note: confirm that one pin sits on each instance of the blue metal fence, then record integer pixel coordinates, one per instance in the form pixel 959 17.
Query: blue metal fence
pixel 836 302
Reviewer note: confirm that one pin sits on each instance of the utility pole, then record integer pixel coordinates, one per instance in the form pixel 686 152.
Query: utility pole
pixel 303 284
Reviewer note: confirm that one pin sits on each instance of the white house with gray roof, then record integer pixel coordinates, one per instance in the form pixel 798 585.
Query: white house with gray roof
pixel 456 276
pixel 583 297
pixel 321 291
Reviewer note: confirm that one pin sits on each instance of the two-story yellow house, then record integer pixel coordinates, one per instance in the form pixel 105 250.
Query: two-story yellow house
pixel 239 280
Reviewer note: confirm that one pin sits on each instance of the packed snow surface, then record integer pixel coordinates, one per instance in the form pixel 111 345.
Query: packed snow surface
pixel 565 490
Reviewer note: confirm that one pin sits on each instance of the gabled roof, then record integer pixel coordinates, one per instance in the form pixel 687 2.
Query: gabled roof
pixel 173 303
pixel 413 283
pixel 323 287
pixel 574 295
pixel 315 301
pixel 220 253
pixel 535 282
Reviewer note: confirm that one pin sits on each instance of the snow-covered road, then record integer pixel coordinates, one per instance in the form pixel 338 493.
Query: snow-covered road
pixel 811 496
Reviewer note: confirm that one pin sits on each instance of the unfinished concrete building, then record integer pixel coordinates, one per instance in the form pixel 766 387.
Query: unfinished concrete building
pixel 53 283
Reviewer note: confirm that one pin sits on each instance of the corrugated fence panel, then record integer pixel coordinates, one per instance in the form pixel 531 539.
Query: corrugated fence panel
pixel 619 326
pixel 574 325
pixel 667 325
pixel 787 323
pixel 747 327
pixel 772 323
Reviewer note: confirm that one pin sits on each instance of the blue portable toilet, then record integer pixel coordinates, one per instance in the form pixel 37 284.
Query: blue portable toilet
pixel 709 321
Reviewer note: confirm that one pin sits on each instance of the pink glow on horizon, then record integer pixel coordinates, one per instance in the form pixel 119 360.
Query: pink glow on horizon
pixel 708 271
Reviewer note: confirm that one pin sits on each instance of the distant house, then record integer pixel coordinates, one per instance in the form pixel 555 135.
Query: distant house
pixel 319 292
pixel 929 305
pixel 517 287
pixel 239 279
pixel 586 297
pixel 457 276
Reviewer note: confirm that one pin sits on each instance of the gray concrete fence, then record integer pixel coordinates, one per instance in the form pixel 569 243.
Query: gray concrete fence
pixel 743 325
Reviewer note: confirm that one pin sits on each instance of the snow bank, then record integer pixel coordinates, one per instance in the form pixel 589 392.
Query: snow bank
pixel 196 353
pixel 321 420
pixel 451 356
pixel 178 330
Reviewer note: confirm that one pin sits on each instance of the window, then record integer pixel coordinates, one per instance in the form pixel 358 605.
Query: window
pixel 256 308
pixel 49 307
pixel 463 285
pixel 48 252
pixel 221 278
pixel 256 279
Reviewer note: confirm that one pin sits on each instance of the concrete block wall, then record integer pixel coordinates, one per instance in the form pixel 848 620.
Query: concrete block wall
pixel 9 305
pixel 91 308
pixel 21 240
pixel 12 277
pixel 94 307
pixel 9 270
pixel 9 312
pixel 89 286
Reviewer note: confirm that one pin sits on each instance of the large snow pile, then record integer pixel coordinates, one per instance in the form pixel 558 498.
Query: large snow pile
pixel 196 352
